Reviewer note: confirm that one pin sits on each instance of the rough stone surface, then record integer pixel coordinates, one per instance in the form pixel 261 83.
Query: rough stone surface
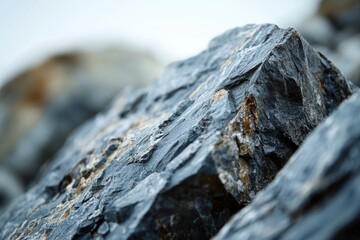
pixel 317 194
pixel 40 107
pixel 180 157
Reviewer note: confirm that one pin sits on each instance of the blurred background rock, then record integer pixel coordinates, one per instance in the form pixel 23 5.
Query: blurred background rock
pixel 62 62
pixel 334 30
pixel 41 106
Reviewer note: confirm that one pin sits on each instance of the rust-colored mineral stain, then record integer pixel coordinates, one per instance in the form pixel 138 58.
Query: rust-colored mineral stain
pixel 219 94
pixel 81 186
pixel 30 229
pixel 249 120
pixel 15 236
pixel 244 174
pixel 245 149
pixel 66 213
pixel 322 85
pixel 234 125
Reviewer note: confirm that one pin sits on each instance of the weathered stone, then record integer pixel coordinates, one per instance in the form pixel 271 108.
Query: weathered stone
pixel 180 157
pixel 40 107
pixel 317 194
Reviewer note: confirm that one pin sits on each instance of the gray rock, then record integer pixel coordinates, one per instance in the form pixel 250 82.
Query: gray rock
pixel 342 14
pixel 179 158
pixel 335 31
pixel 316 195
pixel 10 187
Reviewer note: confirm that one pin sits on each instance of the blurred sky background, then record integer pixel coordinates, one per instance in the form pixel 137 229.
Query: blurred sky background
pixel 33 30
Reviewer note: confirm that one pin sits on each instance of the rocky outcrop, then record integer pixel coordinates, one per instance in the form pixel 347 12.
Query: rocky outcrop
pixel 40 107
pixel 316 195
pixel 179 158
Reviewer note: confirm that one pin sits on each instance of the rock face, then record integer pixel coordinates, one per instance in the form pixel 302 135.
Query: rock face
pixel 316 195
pixel 179 158
pixel 40 107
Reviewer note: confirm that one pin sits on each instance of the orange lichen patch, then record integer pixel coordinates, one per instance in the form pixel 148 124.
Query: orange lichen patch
pixel 249 119
pixel 244 174
pixel 219 94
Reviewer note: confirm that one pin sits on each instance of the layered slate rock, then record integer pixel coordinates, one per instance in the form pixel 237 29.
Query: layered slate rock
pixel 180 157
pixel 316 195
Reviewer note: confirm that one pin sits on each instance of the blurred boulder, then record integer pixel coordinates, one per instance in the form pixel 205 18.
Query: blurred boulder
pixel 41 106
pixel 335 31
pixel 10 187
pixel 177 159
pixel 342 14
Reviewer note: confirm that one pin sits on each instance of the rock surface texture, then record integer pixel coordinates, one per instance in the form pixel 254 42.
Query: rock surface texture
pixel 179 158
pixel 40 107
pixel 321 197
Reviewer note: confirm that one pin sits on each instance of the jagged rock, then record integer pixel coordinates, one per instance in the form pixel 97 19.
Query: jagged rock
pixel 40 107
pixel 180 157
pixel 316 195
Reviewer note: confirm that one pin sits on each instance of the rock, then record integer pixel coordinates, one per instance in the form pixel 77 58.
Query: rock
pixel 180 157
pixel 342 14
pixel 318 31
pixel 335 31
pixel 40 107
pixel 10 187
pixel 316 195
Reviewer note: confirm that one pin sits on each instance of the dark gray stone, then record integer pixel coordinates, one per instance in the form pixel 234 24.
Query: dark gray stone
pixel 179 158
pixel 317 194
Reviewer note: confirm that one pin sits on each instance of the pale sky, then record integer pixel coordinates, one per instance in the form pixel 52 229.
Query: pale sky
pixel 32 30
